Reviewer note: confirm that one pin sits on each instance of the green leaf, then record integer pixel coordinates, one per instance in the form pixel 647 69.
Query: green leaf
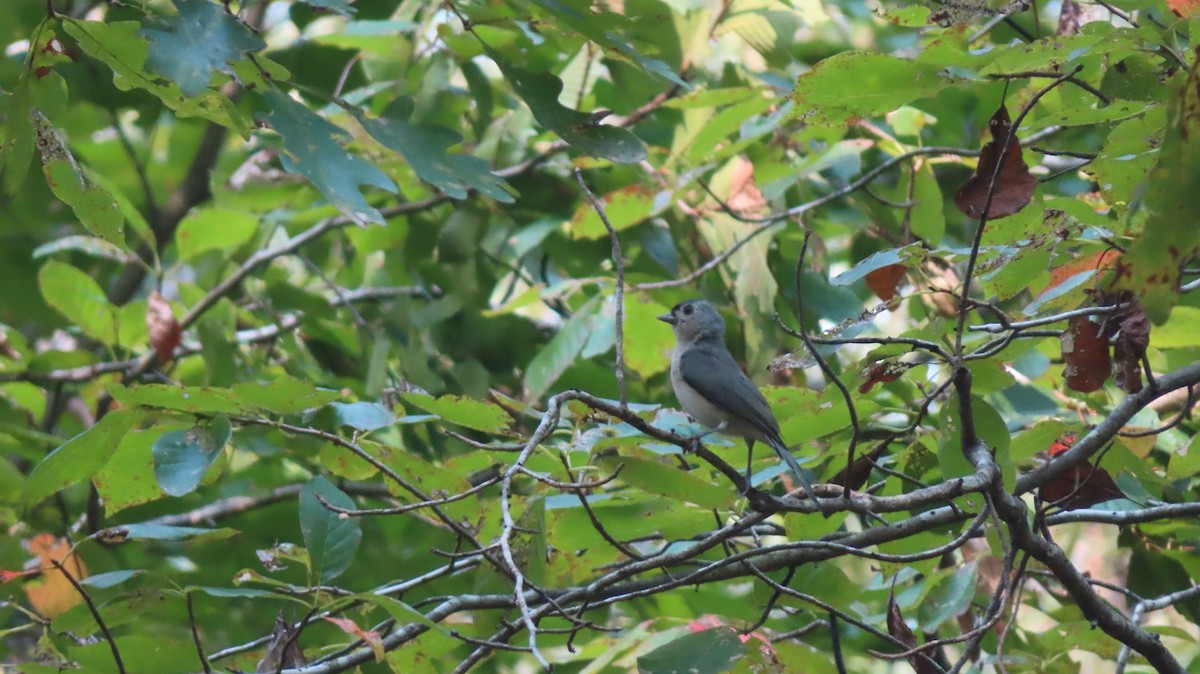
pixel 425 148
pixel 79 299
pixel 910 256
pixel 330 539
pixel 312 149
pixel 94 206
pixel 122 49
pixel 88 245
pixel 339 6
pixel 1081 116
pixel 671 482
pixel 18 137
pixel 580 130
pixel 554 358
pixel 110 579
pixel 239 592
pixel 603 28
pixel 1047 53
pixel 203 37
pixel 398 610
pixel 286 395
pixel 127 479
pixel 862 84
pixel 990 427
pixel 948 598
pixel 80 457
pixel 361 416
pixel 928 215
pixel 182 457
pixel 476 414
pixel 213 229
pixel 1027 444
pixel 648 341
pixel 1152 265
pixel 163 532
pixel 710 651
pixel 1179 332
pixel 624 208
pixel 193 399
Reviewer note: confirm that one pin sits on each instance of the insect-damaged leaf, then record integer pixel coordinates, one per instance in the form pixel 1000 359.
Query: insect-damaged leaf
pixel 1013 183
pixel 1152 265
pixel 1085 353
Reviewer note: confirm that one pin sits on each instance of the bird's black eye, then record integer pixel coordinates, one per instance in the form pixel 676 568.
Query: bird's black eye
pixel 687 310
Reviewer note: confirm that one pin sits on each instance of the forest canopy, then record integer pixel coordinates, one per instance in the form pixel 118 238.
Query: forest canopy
pixel 331 340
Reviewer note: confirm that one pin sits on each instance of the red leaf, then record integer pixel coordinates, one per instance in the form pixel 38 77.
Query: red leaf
pixel 1062 444
pixel 883 281
pixel 1014 185
pixel 1081 486
pixel 370 637
pixel 165 331
pixel 1085 352
pixel 881 372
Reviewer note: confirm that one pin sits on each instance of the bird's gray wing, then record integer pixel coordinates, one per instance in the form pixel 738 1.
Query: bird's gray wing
pixel 712 371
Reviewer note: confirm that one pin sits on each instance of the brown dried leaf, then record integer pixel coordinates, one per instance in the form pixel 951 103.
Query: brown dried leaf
pixel 900 630
pixel 1014 184
pixel 884 281
pixel 744 195
pixel 1129 349
pixel 283 651
pixel 1085 354
pixel 165 331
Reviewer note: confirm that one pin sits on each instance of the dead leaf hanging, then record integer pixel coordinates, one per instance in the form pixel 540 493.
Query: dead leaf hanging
pixel 162 326
pixel 1014 184
pixel 1085 354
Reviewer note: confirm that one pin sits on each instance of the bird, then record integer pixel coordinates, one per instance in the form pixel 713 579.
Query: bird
pixel 714 390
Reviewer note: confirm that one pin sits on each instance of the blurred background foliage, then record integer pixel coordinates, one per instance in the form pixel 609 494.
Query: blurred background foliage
pixel 356 226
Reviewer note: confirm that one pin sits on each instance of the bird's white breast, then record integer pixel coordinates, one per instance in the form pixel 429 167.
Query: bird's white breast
pixel 693 403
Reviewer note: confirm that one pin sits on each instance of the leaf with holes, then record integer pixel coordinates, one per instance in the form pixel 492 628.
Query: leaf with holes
pixel 1085 354
pixel 93 205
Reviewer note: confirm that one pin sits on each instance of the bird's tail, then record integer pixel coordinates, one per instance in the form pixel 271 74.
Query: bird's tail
pixel 785 454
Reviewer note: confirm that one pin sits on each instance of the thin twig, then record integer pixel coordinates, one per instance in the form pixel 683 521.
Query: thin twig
pixel 993 183
pixel 830 375
pixel 112 644
pixel 619 263
pixel 196 635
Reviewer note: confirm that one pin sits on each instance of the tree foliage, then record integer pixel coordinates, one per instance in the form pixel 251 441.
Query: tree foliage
pixel 329 338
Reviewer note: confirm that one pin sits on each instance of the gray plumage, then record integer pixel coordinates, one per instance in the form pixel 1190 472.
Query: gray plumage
pixel 713 389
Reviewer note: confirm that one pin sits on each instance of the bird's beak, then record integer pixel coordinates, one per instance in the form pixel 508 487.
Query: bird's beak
pixel 668 318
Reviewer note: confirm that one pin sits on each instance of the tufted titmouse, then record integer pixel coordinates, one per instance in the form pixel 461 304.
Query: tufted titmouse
pixel 713 389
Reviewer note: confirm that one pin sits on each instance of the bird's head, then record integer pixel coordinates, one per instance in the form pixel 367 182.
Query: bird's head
pixel 695 319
